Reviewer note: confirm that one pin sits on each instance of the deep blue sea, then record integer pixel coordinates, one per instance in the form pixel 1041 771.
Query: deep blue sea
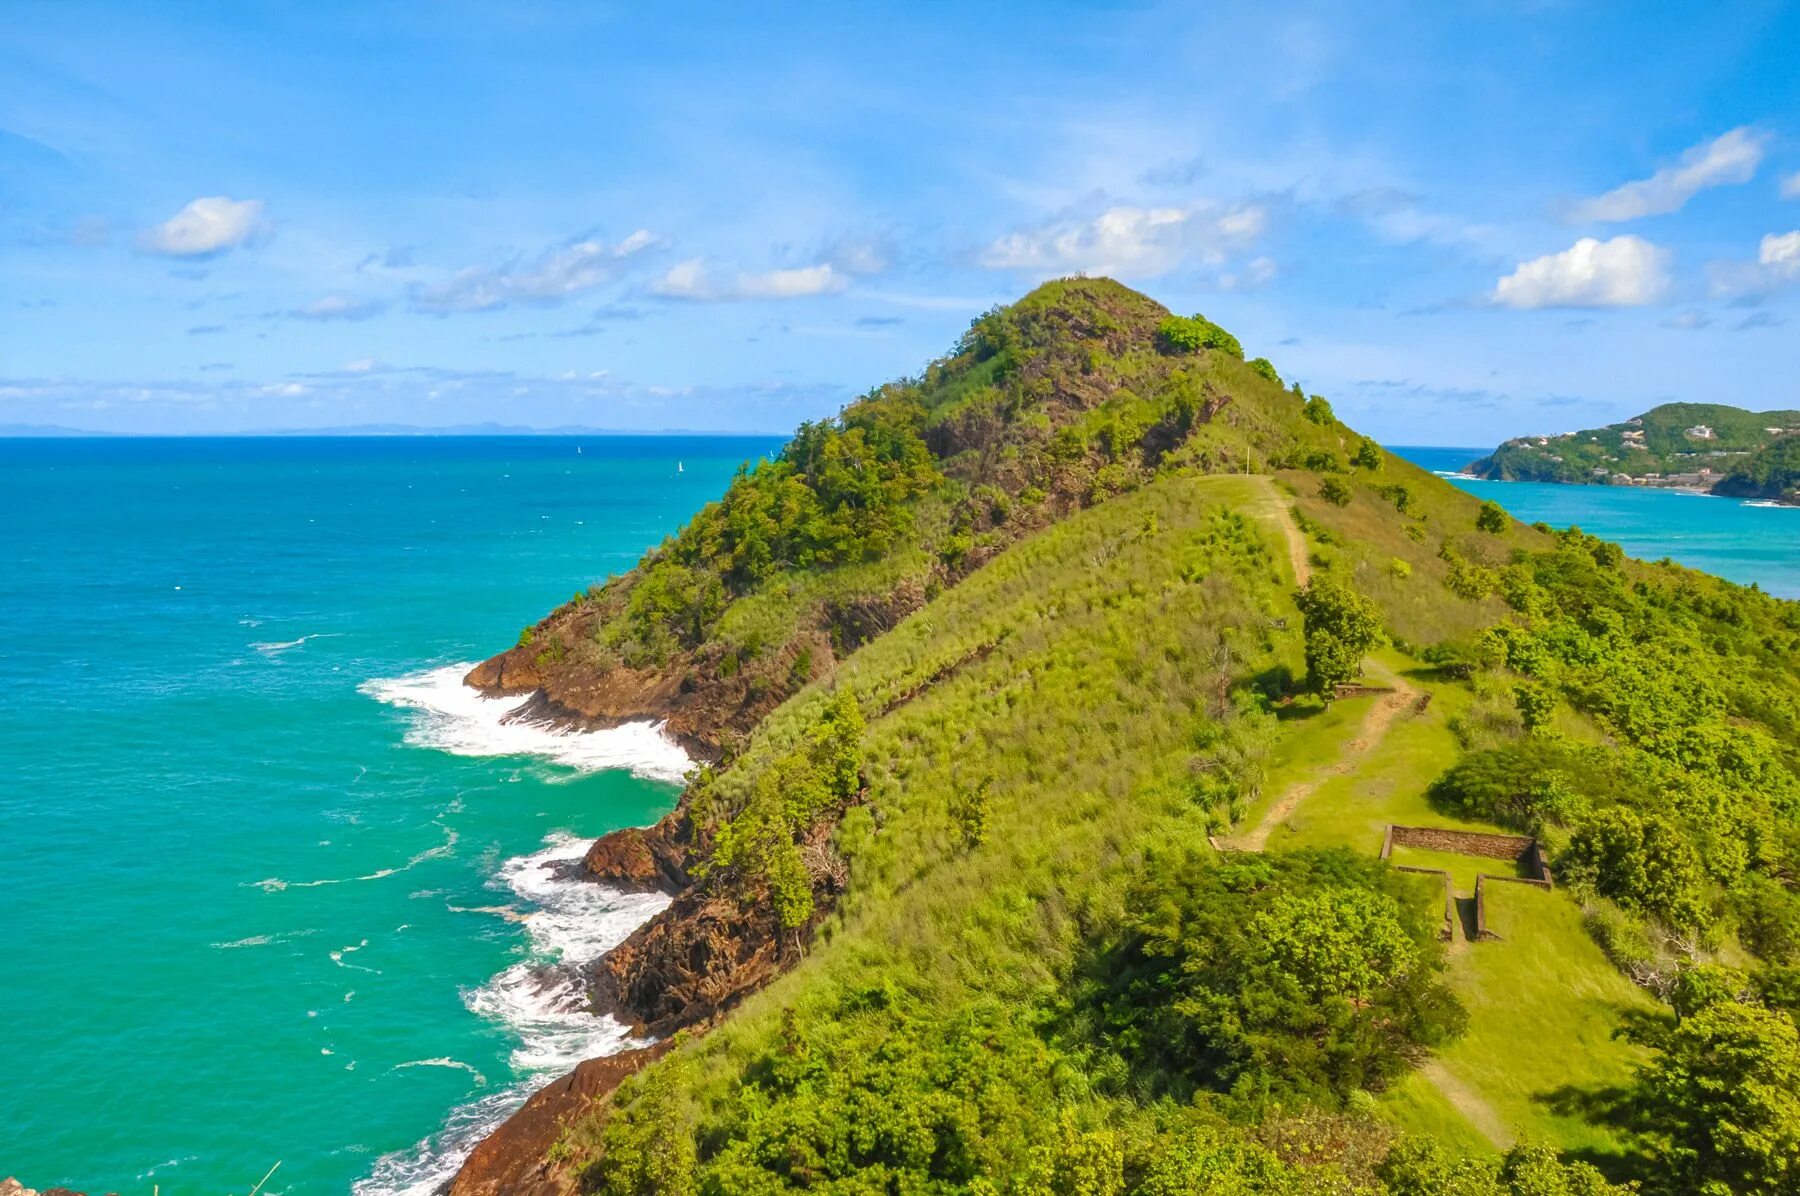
pixel 276 883
pixel 1750 543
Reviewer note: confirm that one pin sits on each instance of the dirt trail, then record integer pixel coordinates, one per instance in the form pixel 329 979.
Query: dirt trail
pixel 1277 508
pixel 1375 723
pixel 1380 717
pixel 1468 1102
pixel 1374 729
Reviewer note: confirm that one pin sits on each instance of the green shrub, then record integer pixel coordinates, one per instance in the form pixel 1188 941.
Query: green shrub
pixel 1642 861
pixel 1369 455
pixel 1492 518
pixel 1264 368
pixel 1191 334
pixel 1313 973
pixel 1335 491
pixel 1318 410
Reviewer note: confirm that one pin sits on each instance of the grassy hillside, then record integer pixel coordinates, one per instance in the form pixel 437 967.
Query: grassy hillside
pixel 1663 441
pixel 1069 874
pixel 1080 391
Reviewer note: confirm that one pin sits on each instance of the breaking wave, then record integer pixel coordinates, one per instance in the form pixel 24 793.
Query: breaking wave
pixel 569 921
pixel 452 717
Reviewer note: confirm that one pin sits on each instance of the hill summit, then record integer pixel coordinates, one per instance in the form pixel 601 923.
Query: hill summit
pixel 1124 778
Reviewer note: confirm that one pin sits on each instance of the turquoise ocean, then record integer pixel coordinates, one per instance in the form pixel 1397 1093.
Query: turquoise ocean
pixel 275 882
pixel 278 888
pixel 1751 543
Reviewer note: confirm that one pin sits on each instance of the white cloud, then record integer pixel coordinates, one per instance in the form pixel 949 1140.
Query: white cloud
pixel 209 225
pixel 1780 255
pixel 1777 264
pixel 1790 186
pixel 1623 272
pixel 1130 241
pixel 1730 158
pixel 693 279
pixel 552 277
pixel 337 307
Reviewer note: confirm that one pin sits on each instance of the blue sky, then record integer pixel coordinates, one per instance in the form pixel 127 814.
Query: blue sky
pixel 1459 222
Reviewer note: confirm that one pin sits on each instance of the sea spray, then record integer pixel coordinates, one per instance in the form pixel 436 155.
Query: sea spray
pixel 571 921
pixel 462 721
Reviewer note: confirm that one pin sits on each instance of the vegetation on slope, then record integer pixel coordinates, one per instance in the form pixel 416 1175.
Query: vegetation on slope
pixel 1080 391
pixel 1016 961
pixel 1675 438
pixel 1772 472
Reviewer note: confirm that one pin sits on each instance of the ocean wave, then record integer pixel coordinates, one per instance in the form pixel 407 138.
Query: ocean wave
pixel 458 1064
pixel 451 717
pixel 271 647
pixel 542 999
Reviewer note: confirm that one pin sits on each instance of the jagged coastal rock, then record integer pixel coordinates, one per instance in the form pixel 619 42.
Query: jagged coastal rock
pixel 516 1159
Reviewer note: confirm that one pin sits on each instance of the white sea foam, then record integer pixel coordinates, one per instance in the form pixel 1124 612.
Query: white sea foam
pixel 272 647
pixel 457 1064
pixel 452 717
pixel 255 940
pixel 570 921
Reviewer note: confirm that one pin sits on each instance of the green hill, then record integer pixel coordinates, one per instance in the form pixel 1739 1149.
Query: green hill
pixel 1042 850
pixel 1771 472
pixel 1689 444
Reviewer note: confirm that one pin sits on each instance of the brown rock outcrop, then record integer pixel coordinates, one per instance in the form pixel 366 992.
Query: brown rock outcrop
pixel 691 962
pixel 515 1160
pixel 640 858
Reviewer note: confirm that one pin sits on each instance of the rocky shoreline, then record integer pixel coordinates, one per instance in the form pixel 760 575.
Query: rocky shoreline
pixel 683 969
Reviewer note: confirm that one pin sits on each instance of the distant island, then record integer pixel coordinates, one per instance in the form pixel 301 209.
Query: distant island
pixel 1707 447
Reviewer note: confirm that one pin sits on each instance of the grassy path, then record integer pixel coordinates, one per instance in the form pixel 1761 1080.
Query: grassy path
pixel 1274 507
pixel 1375 725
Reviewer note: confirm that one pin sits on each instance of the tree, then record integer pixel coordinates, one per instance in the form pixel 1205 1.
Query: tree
pixel 1368 454
pixel 1266 369
pixel 1642 861
pixel 1491 518
pixel 1718 1108
pixel 1342 626
pixel 1421 1167
pixel 1308 973
pixel 1318 410
pixel 1335 492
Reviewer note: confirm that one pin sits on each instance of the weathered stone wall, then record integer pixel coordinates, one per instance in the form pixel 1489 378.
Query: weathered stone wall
pixel 1433 838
